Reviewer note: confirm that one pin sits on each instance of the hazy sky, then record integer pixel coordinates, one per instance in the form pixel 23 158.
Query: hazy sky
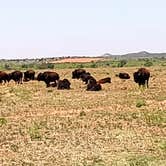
pixel 48 28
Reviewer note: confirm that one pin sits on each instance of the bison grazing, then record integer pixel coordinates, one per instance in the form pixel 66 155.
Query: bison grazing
pixel 142 77
pixel 29 75
pixel 63 84
pixel 3 77
pixel 104 80
pixel 16 76
pixel 48 77
pixel 123 75
pixel 93 85
pixel 77 73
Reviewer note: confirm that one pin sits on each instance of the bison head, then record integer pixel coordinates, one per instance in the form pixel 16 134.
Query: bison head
pixel 136 77
pixel 40 77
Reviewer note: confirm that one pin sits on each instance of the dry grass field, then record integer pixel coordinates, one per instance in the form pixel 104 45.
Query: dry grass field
pixel 77 60
pixel 120 125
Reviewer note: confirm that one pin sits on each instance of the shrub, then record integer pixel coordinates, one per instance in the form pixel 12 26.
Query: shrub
pixel 93 65
pixel 50 66
pixel 122 63
pixel 148 64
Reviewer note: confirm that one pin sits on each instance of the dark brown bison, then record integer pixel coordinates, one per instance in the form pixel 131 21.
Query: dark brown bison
pixel 123 75
pixel 142 76
pixel 29 75
pixel 63 84
pixel 85 77
pixel 48 77
pixel 93 85
pixel 16 76
pixel 4 77
pixel 104 80
pixel 77 73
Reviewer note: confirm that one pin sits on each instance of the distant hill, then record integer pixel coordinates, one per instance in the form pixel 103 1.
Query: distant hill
pixel 138 55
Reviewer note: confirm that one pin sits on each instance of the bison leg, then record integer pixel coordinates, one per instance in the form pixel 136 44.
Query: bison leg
pixel 20 81
pixel 147 83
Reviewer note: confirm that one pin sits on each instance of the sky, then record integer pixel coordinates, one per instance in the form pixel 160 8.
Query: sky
pixel 53 28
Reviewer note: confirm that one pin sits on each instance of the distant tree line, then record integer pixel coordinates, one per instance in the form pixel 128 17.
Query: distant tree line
pixel 42 64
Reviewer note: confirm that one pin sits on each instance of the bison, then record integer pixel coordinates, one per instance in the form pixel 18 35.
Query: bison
pixel 4 77
pixel 16 76
pixel 63 84
pixel 123 75
pixel 48 77
pixel 29 75
pixel 77 73
pixel 142 76
pixel 104 80
pixel 93 85
pixel 85 77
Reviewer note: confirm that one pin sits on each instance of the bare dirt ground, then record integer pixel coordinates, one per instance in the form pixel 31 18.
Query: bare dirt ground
pixel 77 60
pixel 120 125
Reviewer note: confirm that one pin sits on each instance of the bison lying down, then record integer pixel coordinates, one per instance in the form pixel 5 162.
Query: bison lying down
pixel 142 76
pixel 63 84
pixel 104 80
pixel 123 75
pixel 93 85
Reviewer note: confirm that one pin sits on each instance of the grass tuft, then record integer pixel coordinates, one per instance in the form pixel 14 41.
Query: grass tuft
pixel 3 121
pixel 140 103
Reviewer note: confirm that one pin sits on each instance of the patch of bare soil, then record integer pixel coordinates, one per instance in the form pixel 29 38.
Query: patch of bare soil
pixel 77 60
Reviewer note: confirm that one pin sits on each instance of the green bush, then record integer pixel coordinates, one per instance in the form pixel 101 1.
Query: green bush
pixel 122 63
pixel 50 66
pixel 148 63
pixel 80 65
pixel 93 65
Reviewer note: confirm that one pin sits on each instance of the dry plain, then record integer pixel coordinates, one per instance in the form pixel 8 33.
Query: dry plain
pixel 120 125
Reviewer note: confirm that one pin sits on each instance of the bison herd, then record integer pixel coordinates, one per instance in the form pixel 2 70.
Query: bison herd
pixel 52 79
